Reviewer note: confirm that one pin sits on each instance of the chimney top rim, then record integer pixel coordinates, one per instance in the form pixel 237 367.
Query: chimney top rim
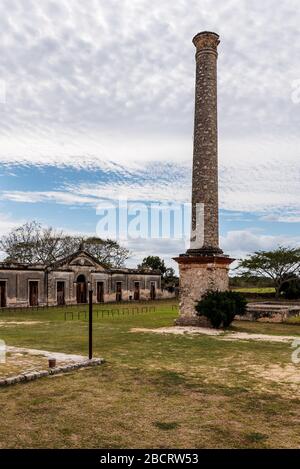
pixel 207 32
pixel 211 34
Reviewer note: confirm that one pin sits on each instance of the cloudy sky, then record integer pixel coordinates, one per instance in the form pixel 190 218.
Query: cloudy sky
pixel 96 102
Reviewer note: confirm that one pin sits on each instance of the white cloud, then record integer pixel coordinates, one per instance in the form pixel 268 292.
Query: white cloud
pixel 7 223
pixel 96 150
pixel 239 243
pixel 48 196
pixel 167 249
pixel 258 177
pixel 281 218
pixel 236 243
pixel 111 85
pixel 78 69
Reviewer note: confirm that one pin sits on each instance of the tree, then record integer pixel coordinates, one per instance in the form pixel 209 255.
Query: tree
pixel 108 251
pixel 169 280
pixel 250 282
pixel 170 273
pixel 279 265
pixel 32 243
pixel 153 263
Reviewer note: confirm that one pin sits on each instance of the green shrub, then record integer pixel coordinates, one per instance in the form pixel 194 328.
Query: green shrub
pixel 291 289
pixel 220 308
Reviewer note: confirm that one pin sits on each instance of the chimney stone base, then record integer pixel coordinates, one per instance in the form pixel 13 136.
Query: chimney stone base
pixel 199 274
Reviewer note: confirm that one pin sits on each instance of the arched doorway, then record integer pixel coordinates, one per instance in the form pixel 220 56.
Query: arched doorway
pixel 81 289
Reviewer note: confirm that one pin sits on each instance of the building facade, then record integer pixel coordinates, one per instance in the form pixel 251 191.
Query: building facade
pixel 68 281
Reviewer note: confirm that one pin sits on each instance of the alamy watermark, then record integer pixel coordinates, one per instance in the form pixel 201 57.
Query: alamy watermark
pixel 124 220
pixel 295 95
pixel 2 351
pixel 296 352
pixel 2 92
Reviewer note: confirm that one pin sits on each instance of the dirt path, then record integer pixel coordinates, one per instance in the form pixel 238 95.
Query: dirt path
pixel 221 334
pixel 62 357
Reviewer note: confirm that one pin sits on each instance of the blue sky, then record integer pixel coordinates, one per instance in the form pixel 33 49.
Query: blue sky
pixel 96 102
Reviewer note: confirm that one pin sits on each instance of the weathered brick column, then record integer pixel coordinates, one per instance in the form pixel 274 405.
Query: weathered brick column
pixel 204 266
pixel 205 158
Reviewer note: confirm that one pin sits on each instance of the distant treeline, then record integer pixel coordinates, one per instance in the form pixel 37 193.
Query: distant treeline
pixel 258 282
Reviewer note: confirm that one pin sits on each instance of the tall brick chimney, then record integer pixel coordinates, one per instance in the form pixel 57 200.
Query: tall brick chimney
pixel 205 233
pixel 204 266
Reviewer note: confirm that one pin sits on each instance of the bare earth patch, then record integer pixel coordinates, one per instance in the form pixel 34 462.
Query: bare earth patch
pixel 24 360
pixel 20 323
pixel 67 357
pixel 179 330
pixel 260 337
pixel 286 377
pixel 213 332
pixel 285 374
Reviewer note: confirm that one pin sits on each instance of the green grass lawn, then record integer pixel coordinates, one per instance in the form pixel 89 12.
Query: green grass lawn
pixel 254 289
pixel 154 390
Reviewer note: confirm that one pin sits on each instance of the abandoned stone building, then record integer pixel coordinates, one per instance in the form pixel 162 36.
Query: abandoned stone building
pixel 68 281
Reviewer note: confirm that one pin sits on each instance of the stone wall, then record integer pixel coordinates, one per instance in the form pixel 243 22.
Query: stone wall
pixel 266 312
pixel 70 291
pixel 17 286
pixel 196 278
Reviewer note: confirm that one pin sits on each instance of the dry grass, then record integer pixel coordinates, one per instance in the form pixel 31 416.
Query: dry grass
pixel 154 391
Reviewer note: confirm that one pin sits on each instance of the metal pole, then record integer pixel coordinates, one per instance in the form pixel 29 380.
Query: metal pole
pixel 90 324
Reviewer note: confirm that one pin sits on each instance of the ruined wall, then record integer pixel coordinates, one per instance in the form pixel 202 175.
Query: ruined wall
pixel 17 286
pixel 128 281
pixel 268 312
pixel 196 279
pixel 70 289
